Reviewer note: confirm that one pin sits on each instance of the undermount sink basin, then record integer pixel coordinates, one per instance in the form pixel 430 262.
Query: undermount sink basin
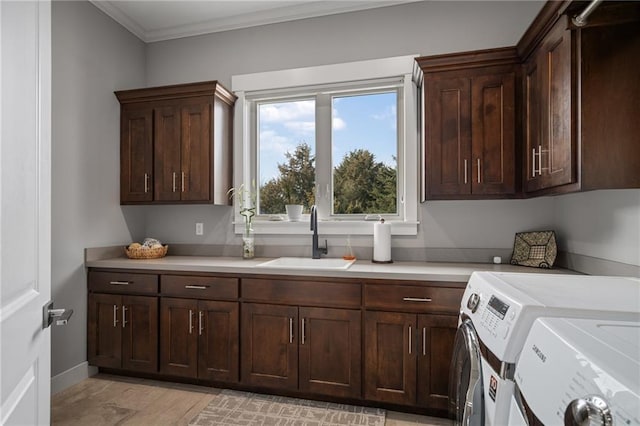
pixel 306 263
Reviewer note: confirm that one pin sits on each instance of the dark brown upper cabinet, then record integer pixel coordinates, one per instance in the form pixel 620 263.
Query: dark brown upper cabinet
pixel 176 144
pixel 470 116
pixel 580 91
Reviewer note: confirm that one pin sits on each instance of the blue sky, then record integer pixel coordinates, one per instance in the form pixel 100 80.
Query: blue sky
pixel 359 122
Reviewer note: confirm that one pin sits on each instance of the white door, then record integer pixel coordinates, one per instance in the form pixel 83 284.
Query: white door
pixel 25 228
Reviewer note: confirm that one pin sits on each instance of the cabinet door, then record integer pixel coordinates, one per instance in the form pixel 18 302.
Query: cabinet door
pixel 493 134
pixel 448 136
pixel 136 155
pixel 140 333
pixel 330 351
pixel 269 346
pixel 218 341
pixel 557 153
pixel 436 336
pixel 105 335
pixel 195 152
pixel 551 154
pixel 390 357
pixel 532 123
pixel 178 337
pixel 168 183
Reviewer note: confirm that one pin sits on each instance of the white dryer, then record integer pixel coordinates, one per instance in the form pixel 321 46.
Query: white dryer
pixel 575 371
pixel 497 312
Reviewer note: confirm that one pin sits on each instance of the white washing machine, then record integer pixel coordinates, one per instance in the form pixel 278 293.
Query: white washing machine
pixel 576 371
pixel 497 312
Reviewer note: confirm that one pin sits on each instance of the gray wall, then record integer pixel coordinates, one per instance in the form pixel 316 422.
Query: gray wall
pixel 92 57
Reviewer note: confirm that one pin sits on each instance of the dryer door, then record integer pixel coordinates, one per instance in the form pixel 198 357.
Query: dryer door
pixel 465 384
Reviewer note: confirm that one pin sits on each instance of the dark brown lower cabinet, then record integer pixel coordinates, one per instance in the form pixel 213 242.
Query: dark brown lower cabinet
pixel 315 350
pixel 407 358
pixel 199 339
pixel 123 332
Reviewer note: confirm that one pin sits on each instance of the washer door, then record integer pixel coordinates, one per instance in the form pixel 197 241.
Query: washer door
pixel 466 397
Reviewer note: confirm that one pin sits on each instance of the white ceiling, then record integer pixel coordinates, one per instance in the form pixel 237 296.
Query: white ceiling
pixel 168 19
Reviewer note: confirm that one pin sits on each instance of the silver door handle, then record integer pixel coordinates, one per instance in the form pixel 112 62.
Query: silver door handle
pixel 174 182
pixel 424 341
pixel 182 181
pixel 146 183
pixel 120 282
pixel 465 171
pixel 196 287
pixel 478 170
pixel 533 162
pixel 200 327
pixel 409 340
pixel 416 299
pixel 290 330
pixel 124 316
pixel 303 332
pixel 190 321
pixel 49 315
pixel 540 159
pixel 115 315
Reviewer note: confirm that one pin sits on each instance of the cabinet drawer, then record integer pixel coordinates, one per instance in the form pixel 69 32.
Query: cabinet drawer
pixel 199 287
pixel 293 292
pixel 413 298
pixel 122 282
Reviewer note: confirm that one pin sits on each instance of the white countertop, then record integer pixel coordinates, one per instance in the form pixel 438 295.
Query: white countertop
pixel 423 271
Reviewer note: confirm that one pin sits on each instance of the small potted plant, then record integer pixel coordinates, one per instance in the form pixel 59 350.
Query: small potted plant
pixel 292 204
pixel 246 199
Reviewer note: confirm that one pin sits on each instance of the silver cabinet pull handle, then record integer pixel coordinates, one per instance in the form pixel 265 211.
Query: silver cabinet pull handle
pixel 174 182
pixel 115 315
pixel 124 316
pixel 290 330
pixel 303 332
pixel 120 282
pixel 200 326
pixel 190 321
pixel 146 183
pixel 533 163
pixel 196 287
pixel 424 341
pixel 465 171
pixel 410 340
pixel 540 159
pixel 478 170
pixel 182 182
pixel 416 299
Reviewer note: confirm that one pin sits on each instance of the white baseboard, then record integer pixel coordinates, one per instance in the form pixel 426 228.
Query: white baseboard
pixel 72 376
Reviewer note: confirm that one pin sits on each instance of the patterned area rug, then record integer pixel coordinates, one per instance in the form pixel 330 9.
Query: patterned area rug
pixel 243 408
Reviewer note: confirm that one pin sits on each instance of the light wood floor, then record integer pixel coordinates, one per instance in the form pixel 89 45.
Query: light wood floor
pixel 106 400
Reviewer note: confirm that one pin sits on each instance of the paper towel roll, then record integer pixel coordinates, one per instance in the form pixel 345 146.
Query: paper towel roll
pixel 381 242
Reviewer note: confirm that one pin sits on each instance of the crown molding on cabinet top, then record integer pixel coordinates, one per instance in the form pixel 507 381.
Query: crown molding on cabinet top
pixel 153 21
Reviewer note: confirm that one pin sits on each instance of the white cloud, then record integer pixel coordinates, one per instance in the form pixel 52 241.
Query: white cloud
pixel 387 114
pixel 283 112
pixel 337 123
pixel 301 127
pixel 274 143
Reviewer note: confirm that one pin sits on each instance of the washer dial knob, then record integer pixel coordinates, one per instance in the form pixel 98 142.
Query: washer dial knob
pixel 473 302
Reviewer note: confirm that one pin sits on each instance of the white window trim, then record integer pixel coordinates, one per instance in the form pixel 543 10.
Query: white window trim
pixel 353 72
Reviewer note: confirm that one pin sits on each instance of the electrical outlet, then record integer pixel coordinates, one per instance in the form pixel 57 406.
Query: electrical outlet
pixel 199 228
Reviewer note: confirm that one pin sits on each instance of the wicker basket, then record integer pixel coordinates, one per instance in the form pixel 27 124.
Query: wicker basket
pixel 146 252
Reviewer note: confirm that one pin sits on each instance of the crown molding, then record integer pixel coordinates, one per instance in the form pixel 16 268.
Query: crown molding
pixel 271 16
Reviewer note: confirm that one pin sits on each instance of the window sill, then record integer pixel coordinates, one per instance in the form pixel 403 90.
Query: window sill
pixel 325 227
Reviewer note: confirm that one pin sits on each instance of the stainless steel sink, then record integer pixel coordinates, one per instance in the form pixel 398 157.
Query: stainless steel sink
pixel 306 263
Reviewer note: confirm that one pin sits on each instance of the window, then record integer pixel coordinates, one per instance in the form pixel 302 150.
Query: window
pixel 342 145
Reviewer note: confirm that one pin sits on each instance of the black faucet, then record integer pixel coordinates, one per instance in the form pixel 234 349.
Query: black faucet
pixel 315 250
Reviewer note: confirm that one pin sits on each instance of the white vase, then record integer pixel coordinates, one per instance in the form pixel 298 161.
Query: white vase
pixel 294 212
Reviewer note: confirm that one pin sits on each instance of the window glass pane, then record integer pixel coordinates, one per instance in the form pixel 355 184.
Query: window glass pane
pixel 286 154
pixel 364 153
